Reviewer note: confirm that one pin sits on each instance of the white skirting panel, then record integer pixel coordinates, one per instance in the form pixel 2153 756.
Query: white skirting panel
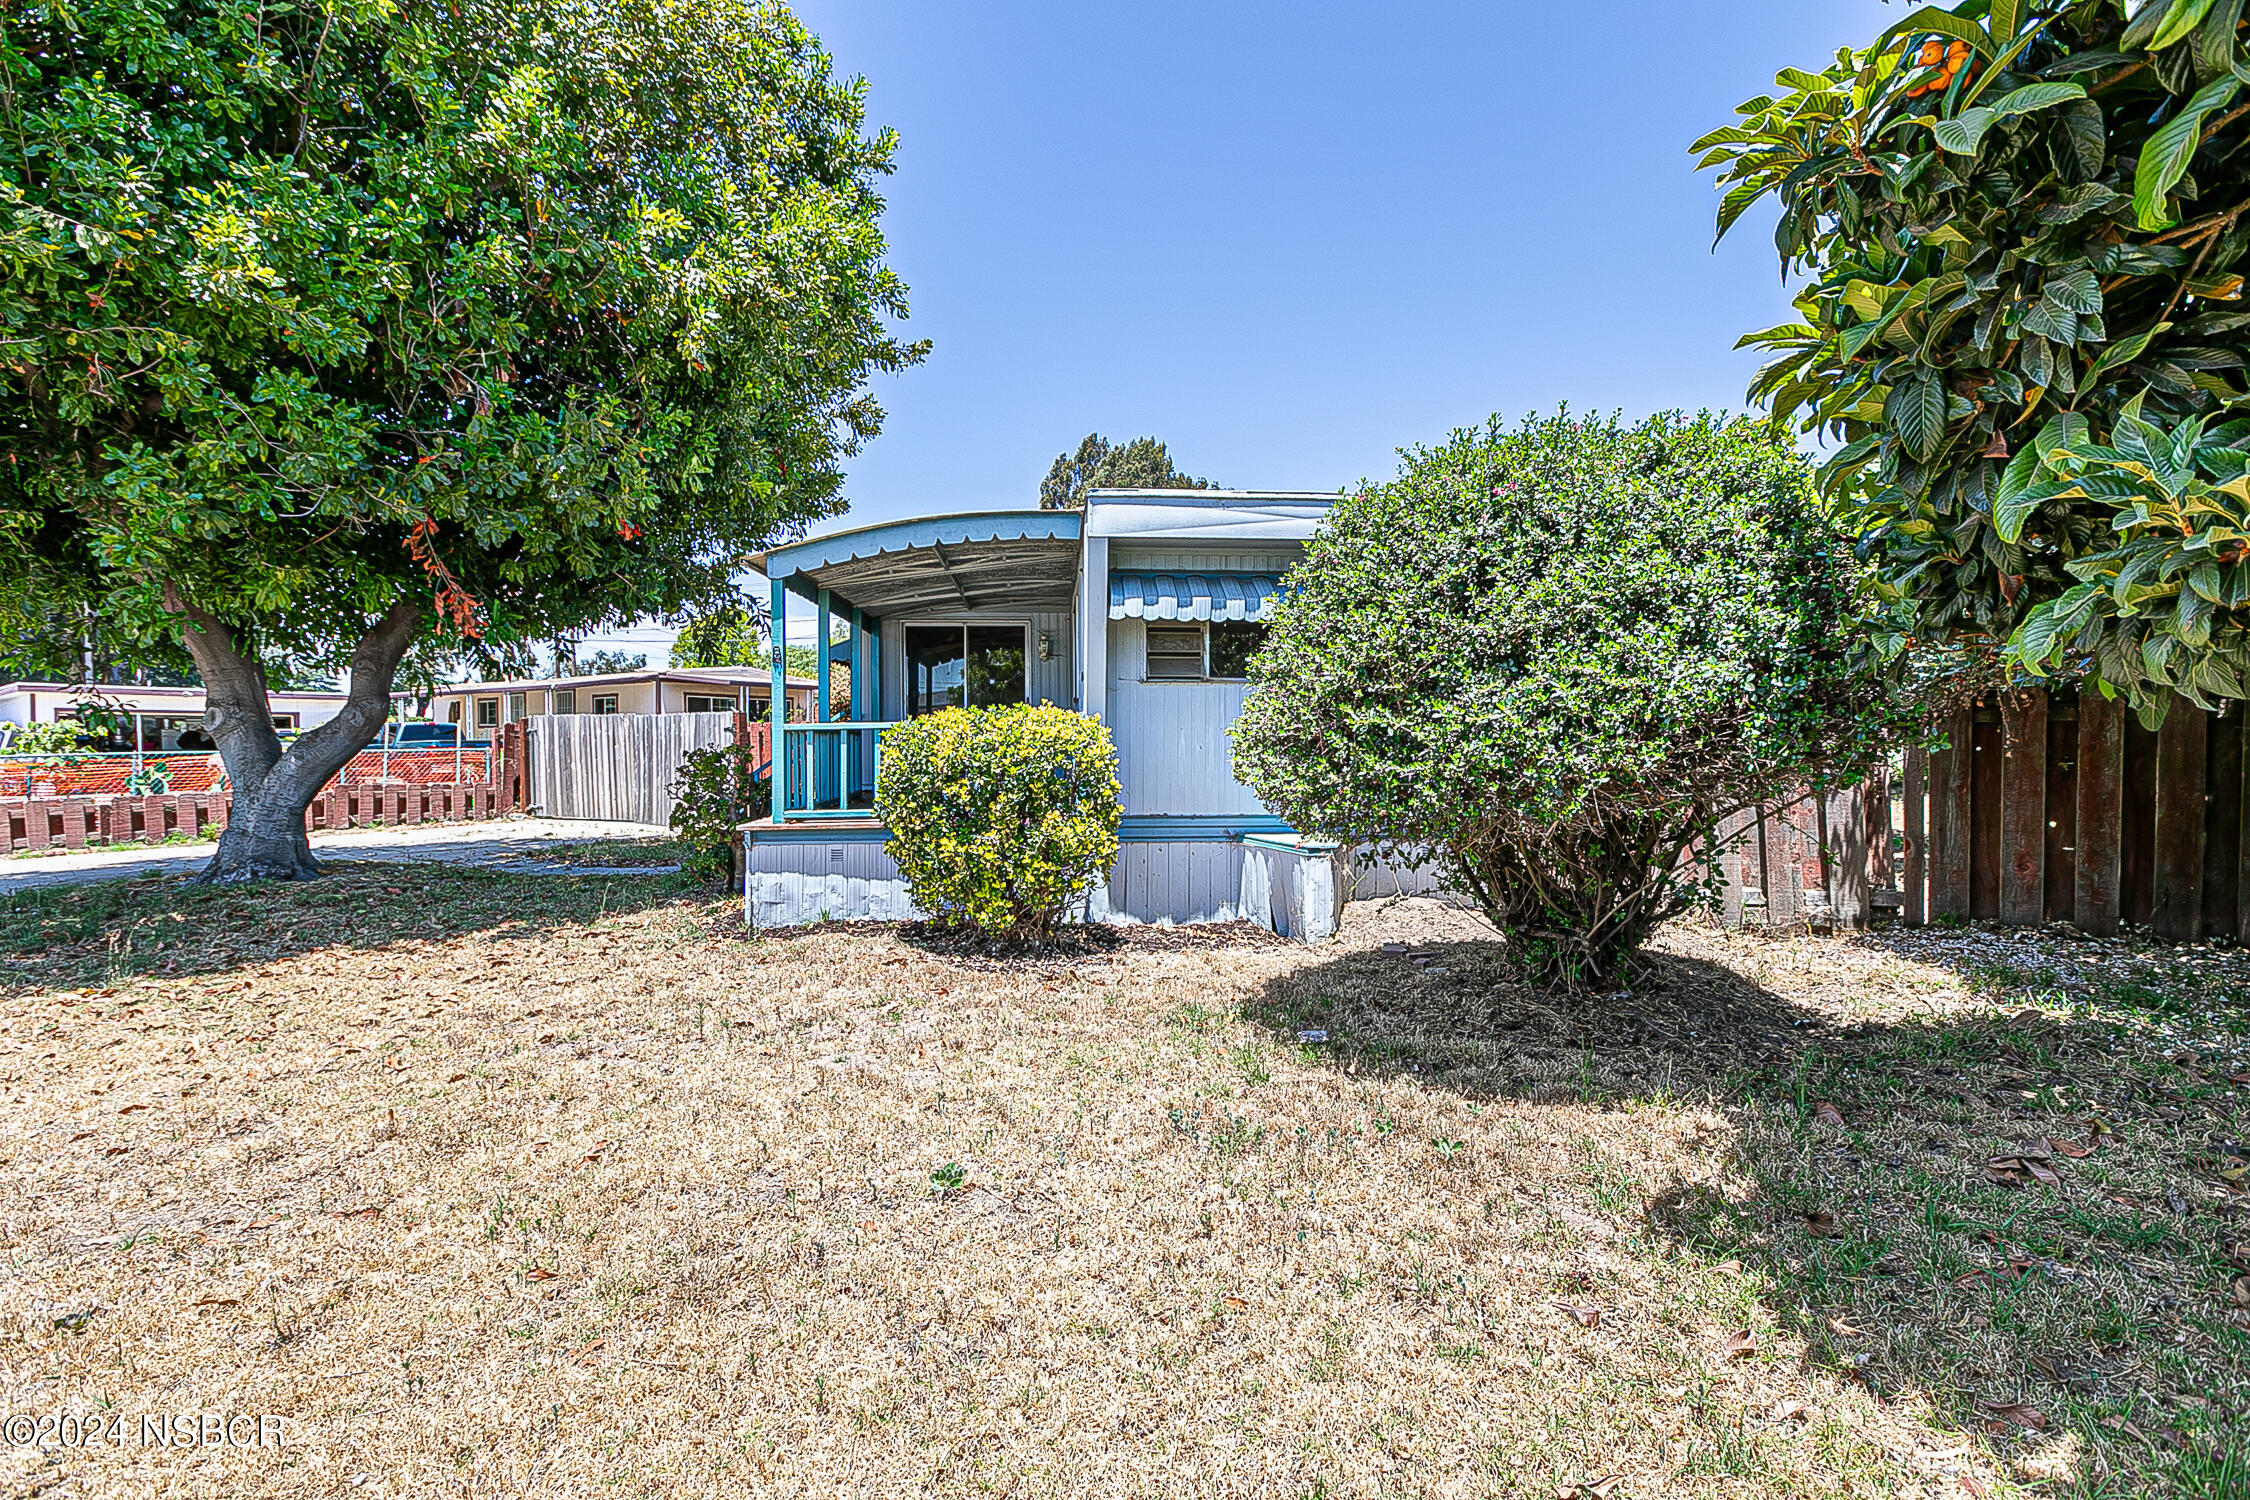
pixel 1177 880
pixel 1173 881
pixel 1296 891
pixel 795 885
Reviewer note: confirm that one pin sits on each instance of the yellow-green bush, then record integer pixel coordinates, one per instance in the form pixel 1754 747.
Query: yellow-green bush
pixel 1000 818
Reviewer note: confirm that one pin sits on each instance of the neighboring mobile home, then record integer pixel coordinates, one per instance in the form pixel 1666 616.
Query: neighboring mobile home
pixel 1142 610
pixel 163 713
pixel 482 707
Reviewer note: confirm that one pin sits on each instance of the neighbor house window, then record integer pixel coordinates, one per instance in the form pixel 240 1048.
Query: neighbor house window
pixel 519 705
pixel 963 666
pixel 453 712
pixel 488 713
pixel 699 704
pixel 1175 651
pixel 566 700
pixel 1233 642
pixel 605 703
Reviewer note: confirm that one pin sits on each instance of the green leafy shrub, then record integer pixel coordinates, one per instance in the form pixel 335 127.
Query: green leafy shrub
pixel 1000 818
pixel 716 792
pixel 63 742
pixel 1552 660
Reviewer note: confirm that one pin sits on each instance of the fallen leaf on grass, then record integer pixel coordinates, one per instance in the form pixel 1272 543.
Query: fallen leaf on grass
pixel 82 1135
pixel 1740 1345
pixel 2019 1171
pixel 539 1273
pixel 372 1211
pixel 1821 1224
pixel 585 1355
pixel 456 1078
pixel 1825 1113
pixel 1591 1489
pixel 2006 1412
pixel 220 1302
pixel 268 1219
pixel 1234 1302
pixel 128 1109
pixel 2053 1147
pixel 1584 1317
pixel 595 1154
pixel 1789 1410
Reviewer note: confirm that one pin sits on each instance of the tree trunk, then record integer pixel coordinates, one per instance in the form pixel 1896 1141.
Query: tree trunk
pixel 265 834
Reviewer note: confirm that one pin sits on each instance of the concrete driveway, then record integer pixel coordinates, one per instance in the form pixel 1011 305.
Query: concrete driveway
pixel 511 844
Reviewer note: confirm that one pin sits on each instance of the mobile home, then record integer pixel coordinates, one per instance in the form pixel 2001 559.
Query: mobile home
pixel 1142 610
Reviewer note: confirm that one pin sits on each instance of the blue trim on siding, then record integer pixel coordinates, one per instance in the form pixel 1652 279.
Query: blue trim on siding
pixel 871 832
pixel 1144 830
pixel 1157 829
pixel 905 536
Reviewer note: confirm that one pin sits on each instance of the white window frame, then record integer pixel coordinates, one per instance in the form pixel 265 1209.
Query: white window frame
pixel 602 698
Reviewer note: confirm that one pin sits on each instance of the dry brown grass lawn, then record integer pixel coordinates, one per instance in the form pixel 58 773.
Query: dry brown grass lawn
pixel 537 1185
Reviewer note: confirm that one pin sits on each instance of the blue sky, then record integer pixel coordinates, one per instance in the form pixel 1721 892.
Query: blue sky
pixel 1289 239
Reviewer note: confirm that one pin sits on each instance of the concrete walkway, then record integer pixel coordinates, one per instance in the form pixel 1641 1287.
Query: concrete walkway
pixel 510 844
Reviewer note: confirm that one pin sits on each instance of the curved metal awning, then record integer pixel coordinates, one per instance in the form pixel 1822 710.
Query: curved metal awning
pixel 1192 596
pixel 1005 559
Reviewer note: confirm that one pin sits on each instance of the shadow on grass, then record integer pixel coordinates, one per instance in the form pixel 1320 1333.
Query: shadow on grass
pixel 60 937
pixel 2084 1306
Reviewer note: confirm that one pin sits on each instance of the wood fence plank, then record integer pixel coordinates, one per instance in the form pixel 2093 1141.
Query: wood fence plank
pixel 1984 814
pixel 2023 808
pixel 1949 818
pixel 2242 854
pixel 2176 905
pixel 1916 910
pixel 2222 825
pixel 1848 878
pixel 2101 810
pixel 2060 899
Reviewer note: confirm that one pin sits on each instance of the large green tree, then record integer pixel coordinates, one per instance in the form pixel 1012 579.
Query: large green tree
pixel 1143 463
pixel 2020 230
pixel 332 323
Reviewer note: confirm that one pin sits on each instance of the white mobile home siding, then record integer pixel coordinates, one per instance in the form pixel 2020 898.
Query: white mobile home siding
pixel 1173 753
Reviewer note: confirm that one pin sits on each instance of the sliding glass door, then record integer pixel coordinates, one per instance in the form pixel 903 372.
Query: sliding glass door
pixel 963 666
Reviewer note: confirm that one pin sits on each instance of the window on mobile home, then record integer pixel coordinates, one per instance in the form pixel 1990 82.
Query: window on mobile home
pixel 963 666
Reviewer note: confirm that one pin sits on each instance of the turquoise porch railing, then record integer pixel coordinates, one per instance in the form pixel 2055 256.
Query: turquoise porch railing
pixel 828 770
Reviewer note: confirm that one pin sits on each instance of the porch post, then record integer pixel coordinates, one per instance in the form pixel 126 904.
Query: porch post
pixel 859 697
pixel 777 708
pixel 827 767
pixel 820 638
pixel 1093 627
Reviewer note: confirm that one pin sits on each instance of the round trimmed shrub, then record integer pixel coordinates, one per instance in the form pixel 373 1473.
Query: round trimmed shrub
pixel 1000 818
pixel 1554 659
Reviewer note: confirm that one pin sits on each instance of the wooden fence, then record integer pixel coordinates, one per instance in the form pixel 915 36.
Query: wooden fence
pixel 620 767
pixel 2062 808
pixel 2042 808
pixel 38 823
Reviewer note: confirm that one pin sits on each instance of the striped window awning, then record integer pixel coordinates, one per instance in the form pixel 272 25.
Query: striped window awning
pixel 1192 596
